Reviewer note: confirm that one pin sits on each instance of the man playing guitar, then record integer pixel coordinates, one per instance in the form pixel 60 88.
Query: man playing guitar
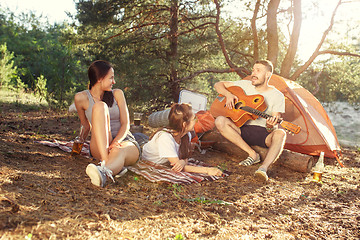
pixel 261 132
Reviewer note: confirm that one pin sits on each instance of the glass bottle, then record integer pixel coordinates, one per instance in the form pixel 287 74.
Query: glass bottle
pixel 78 142
pixel 319 168
pixel 137 118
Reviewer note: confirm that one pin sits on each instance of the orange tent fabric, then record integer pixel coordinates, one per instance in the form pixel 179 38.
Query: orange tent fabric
pixel 303 109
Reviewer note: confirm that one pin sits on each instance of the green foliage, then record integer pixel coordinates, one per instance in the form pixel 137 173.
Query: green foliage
pixel 28 237
pixel 159 203
pixel 179 237
pixel 151 65
pixel 7 68
pixel 176 188
pixel 21 100
pixel 206 201
pixel 153 60
pixel 339 80
pixel 40 87
pixel 18 85
pixel 223 166
pixel 44 51
pixel 136 37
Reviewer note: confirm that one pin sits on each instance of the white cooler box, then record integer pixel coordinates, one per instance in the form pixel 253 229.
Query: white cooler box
pixel 197 100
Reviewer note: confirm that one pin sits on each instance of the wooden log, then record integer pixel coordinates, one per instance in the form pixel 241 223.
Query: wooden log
pixel 296 161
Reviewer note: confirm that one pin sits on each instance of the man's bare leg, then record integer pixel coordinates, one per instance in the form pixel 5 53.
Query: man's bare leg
pixel 232 133
pixel 275 141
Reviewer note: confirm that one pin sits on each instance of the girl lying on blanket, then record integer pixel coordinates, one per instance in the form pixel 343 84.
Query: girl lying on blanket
pixel 104 112
pixel 172 145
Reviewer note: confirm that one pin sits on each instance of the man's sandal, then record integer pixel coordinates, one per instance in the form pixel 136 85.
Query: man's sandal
pixel 250 161
pixel 261 175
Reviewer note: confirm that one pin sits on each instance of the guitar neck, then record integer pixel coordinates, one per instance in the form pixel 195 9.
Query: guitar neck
pixel 257 112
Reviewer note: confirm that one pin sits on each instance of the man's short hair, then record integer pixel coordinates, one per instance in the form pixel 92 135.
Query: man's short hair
pixel 269 66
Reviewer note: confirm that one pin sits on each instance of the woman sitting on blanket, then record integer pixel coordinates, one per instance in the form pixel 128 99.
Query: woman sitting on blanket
pixel 172 145
pixel 104 112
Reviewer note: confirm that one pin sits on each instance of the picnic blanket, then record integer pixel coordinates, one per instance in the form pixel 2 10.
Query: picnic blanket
pixel 149 170
pixel 155 172
pixel 67 146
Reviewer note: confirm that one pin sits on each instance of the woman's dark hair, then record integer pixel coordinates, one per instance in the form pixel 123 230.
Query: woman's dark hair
pixel 180 114
pixel 98 70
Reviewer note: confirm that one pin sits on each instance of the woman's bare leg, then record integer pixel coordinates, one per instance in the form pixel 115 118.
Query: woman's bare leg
pixel 100 132
pixel 122 156
pixel 126 154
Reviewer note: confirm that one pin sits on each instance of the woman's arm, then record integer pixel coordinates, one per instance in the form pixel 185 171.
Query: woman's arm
pixel 178 164
pixel 124 116
pixel 82 103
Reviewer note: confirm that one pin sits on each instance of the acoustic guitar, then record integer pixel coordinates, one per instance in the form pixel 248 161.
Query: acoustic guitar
pixel 247 107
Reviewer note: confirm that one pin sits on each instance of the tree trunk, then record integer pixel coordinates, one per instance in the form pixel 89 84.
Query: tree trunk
pixel 254 31
pixel 294 39
pixel 172 54
pixel 272 33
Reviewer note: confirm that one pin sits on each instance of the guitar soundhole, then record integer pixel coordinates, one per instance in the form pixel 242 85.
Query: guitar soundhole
pixel 256 100
pixel 238 105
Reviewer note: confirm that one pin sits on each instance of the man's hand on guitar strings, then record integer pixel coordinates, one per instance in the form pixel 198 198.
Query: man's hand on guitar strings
pixel 231 99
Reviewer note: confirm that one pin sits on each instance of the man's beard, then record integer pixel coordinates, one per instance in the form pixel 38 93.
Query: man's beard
pixel 257 83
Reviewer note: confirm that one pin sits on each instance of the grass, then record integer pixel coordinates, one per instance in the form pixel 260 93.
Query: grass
pixel 176 188
pixel 21 100
pixel 206 201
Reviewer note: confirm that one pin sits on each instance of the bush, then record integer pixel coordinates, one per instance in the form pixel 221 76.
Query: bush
pixel 8 71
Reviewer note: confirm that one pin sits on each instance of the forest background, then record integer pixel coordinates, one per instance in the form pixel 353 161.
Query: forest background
pixel 160 47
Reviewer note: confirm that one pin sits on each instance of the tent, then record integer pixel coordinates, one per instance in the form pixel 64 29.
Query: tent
pixel 303 109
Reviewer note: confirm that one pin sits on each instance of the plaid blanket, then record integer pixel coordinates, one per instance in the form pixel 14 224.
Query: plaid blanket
pixel 155 172
pixel 149 170
pixel 67 146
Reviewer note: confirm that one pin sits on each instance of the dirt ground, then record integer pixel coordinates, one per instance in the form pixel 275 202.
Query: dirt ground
pixel 45 194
